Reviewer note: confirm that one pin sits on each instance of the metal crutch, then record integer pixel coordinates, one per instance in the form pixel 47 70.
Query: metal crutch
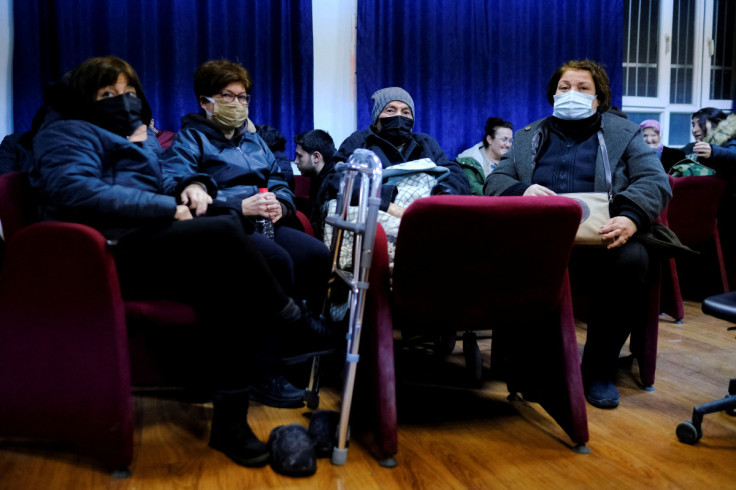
pixel 363 163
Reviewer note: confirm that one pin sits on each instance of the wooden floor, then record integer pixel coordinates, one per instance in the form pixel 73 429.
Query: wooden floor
pixel 450 437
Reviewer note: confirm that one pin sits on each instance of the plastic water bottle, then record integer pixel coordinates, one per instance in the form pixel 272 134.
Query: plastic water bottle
pixel 264 225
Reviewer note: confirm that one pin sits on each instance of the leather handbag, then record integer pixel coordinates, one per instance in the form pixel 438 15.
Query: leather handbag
pixel 596 207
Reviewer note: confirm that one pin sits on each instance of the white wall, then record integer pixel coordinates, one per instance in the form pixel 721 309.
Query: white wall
pixel 334 31
pixel 6 67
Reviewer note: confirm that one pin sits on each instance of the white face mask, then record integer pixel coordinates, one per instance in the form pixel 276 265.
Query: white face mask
pixel 573 105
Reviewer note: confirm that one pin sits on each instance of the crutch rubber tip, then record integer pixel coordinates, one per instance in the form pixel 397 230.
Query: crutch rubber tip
pixel 339 456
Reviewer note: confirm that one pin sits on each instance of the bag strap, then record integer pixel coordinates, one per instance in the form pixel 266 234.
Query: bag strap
pixel 606 164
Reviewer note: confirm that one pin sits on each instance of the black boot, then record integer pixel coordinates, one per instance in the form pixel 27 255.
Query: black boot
pixel 231 433
pixel 304 335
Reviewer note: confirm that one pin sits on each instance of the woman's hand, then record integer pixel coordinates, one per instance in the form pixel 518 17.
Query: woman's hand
pixel 195 198
pixel 618 230
pixel 702 149
pixel 395 210
pixel 182 213
pixel 140 134
pixel 262 204
pixel 538 190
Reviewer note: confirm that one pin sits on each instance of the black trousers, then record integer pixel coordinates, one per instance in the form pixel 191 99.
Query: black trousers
pixel 211 264
pixel 616 284
pixel 300 262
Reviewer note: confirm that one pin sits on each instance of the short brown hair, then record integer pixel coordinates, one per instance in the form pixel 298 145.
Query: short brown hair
pixel 600 78
pixel 214 75
pixel 94 73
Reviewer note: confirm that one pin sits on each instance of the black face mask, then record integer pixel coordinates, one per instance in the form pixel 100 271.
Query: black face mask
pixel 396 129
pixel 121 114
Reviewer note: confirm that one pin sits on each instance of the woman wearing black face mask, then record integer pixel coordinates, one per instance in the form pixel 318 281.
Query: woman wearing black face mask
pixel 94 163
pixel 567 153
pixel 391 138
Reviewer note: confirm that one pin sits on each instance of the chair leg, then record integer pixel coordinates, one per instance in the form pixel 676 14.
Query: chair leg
pixel 721 266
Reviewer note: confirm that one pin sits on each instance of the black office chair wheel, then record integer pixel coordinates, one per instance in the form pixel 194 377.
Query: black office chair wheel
pixel 312 399
pixel 688 433
pixel 444 343
pixel 473 359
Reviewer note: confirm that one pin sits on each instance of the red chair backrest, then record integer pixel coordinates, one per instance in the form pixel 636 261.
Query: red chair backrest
pixel 694 206
pixel 467 259
pixel 301 186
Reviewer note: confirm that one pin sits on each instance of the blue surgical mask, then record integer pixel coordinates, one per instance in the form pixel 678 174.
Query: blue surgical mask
pixel 573 105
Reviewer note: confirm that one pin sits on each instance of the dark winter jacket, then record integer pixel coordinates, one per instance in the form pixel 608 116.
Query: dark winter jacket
pixel 419 146
pixel 238 166
pixel 89 175
pixel 319 188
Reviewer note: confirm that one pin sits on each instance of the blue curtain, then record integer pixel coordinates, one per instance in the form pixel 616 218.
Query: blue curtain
pixel 463 61
pixel 165 41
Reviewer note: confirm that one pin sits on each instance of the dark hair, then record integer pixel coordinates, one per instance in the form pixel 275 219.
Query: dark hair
pixel 492 124
pixel 214 75
pixel 272 136
pixel 600 78
pixel 76 93
pixel 708 114
pixel 317 140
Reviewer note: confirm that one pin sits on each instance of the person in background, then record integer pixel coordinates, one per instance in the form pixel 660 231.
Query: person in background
pixel 481 159
pixel 314 153
pixel 651 130
pixel 565 153
pixel 703 122
pixel 277 144
pixel 97 163
pixel 717 147
pixel 652 137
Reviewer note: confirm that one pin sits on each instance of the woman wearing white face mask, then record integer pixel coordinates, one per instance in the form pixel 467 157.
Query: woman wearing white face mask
pixel 564 153
pixel 218 143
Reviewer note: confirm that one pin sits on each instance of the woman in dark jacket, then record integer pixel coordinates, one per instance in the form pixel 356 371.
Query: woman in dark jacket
pixel 566 153
pixel 97 164
pixel 217 143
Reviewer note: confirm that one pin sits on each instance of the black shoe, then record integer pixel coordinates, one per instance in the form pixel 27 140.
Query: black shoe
pixel 276 391
pixel 602 394
pixel 323 431
pixel 231 433
pixel 306 337
pixel 292 451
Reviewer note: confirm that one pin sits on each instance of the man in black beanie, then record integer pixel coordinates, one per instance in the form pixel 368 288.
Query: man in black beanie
pixel 391 138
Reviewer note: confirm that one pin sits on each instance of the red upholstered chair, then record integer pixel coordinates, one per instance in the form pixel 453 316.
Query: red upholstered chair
pixel 301 192
pixel 375 384
pixel 474 263
pixel 691 214
pixel 65 364
pixel 165 138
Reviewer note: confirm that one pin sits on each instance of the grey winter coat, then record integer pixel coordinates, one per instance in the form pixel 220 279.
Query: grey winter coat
pixel 638 176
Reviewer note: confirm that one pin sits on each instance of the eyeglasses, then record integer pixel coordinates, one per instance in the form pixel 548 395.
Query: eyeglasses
pixel 505 139
pixel 228 97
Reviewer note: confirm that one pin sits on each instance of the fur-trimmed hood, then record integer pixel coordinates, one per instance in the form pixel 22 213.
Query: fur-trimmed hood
pixel 725 130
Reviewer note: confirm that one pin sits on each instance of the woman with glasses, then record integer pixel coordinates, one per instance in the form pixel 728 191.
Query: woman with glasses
pixel 216 142
pixel 481 159
pixel 96 162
